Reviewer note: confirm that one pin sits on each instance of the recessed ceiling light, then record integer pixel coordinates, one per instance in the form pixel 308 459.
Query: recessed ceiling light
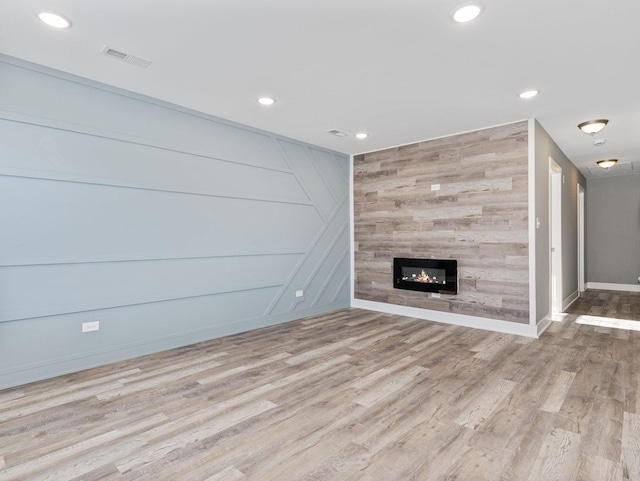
pixel 54 20
pixel 266 101
pixel 528 94
pixel 362 135
pixel 466 13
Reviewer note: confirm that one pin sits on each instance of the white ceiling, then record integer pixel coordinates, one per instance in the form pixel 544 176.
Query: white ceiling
pixel 400 70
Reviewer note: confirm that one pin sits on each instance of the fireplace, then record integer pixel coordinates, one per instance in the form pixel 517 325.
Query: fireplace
pixel 427 275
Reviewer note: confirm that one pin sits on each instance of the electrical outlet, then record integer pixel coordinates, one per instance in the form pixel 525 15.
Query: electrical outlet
pixel 90 326
pixel 435 186
pixel 299 293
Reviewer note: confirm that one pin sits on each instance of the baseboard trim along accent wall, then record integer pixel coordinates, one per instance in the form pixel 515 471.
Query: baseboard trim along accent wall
pixel 483 323
pixel 613 287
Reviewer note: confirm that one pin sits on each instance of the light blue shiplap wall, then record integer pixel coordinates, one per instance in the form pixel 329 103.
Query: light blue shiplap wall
pixel 166 225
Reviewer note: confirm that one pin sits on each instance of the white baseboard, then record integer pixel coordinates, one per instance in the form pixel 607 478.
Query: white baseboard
pixel 543 324
pixel 613 287
pixel 484 323
pixel 570 300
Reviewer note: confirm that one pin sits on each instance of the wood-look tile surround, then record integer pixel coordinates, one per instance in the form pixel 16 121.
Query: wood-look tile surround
pixel 478 217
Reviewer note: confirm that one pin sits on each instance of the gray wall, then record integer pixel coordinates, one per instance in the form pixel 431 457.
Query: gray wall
pixel 166 225
pixel 545 147
pixel 613 229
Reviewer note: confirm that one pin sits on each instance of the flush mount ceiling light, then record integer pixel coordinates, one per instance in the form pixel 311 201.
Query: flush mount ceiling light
pixel 266 101
pixel 529 94
pixel 607 164
pixel 466 13
pixel 362 135
pixel 592 127
pixel 54 19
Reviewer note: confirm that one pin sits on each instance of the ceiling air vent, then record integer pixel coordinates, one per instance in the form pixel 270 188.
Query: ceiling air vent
pixel 337 133
pixel 125 57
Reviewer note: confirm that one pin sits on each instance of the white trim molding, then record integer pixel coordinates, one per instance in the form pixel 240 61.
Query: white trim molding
pixel 570 300
pixel 484 323
pixel 542 326
pixel 613 287
pixel 352 227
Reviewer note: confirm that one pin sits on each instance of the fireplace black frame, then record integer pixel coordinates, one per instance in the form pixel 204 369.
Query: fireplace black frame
pixel 449 266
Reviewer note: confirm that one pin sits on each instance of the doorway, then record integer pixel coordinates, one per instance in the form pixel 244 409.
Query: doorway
pixel 555 236
pixel 581 276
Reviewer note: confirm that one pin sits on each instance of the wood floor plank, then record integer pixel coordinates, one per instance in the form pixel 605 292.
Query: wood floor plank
pixel 524 447
pixel 602 430
pixel 224 373
pixel 477 465
pixel 500 430
pixel 476 412
pixel 180 373
pixel 319 352
pixel 631 447
pixel 558 391
pixel 106 472
pixel 156 451
pixel 559 457
pixel 368 341
pixel 384 372
pixel 80 457
pixel 229 474
pixel 596 468
pixel 389 386
pixel 56 401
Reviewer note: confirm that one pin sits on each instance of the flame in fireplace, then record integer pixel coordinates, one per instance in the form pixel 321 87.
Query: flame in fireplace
pixel 424 277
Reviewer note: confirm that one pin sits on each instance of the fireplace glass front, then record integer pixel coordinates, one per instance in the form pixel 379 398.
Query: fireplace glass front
pixel 429 275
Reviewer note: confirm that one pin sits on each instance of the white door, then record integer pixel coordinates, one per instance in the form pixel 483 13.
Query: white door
pixel 555 235
pixel 581 275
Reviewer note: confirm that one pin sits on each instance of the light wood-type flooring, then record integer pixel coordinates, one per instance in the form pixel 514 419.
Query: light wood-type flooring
pixel 350 395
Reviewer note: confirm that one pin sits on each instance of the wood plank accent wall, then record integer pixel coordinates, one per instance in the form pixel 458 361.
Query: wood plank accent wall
pixel 479 217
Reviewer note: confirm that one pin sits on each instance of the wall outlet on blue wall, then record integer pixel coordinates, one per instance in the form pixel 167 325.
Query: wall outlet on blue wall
pixel 299 293
pixel 90 326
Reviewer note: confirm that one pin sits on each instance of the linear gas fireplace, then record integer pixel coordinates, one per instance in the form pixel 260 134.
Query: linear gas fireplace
pixel 428 275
